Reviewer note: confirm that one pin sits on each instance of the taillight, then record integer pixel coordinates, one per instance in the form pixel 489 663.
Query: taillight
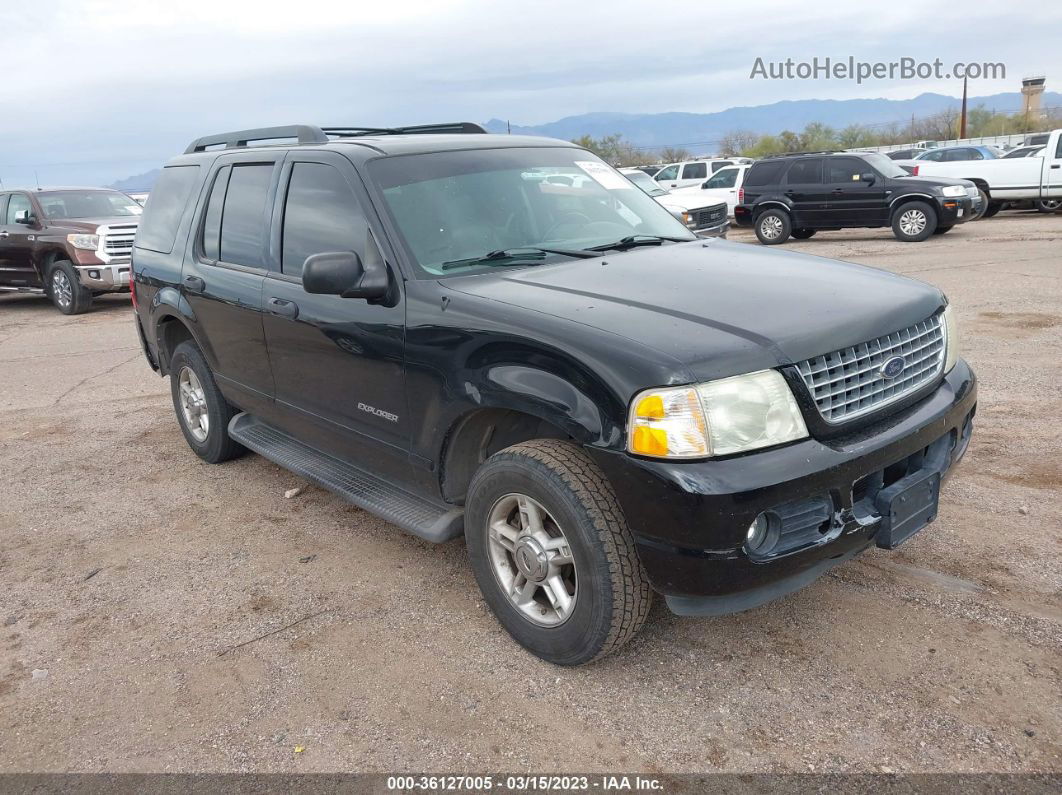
pixel 132 286
pixel 741 195
pixel 914 171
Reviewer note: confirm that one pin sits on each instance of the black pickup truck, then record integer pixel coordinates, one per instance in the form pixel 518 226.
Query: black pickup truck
pixel 602 404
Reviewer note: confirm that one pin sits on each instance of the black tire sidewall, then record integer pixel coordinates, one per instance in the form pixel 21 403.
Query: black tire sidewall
pixel 217 446
pixel 931 222
pixel 787 227
pixel 583 634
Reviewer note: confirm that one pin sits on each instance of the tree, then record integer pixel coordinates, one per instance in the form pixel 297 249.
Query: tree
pixel 737 142
pixel 614 149
pixel 675 154
pixel 817 137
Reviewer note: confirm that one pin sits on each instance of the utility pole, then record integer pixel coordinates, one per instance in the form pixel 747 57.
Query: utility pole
pixel 962 119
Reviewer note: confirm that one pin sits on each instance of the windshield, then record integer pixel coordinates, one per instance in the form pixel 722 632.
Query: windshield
pixel 645 182
pixel 454 208
pixel 885 166
pixel 87 204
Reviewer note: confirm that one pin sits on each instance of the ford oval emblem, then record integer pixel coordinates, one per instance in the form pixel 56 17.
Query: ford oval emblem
pixel 892 367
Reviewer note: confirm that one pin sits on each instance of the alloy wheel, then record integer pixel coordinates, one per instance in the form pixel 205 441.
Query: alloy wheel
pixel 62 290
pixel 193 404
pixel 771 227
pixel 913 222
pixel 532 560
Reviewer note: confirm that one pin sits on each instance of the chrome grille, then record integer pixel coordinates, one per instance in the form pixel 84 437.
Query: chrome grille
pixel 848 383
pixel 117 240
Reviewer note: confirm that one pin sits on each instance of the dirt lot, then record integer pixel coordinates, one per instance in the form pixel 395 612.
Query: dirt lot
pixel 131 573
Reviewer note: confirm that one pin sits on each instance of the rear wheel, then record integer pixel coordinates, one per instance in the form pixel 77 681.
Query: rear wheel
pixel 552 553
pixel 65 290
pixel 1049 205
pixel 773 227
pixel 202 411
pixel 804 234
pixel 914 222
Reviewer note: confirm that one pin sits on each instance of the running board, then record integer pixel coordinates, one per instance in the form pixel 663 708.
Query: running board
pixel 435 523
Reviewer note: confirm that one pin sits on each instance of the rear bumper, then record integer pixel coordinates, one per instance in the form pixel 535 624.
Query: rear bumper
pixel 690 519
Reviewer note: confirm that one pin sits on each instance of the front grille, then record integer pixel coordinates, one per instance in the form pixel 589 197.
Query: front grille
pixel 848 383
pixel 117 240
pixel 713 216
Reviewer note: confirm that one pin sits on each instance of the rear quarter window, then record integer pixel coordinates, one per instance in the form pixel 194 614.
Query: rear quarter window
pixel 765 173
pixel 165 207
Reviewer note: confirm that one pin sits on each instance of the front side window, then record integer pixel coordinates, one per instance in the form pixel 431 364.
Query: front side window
pixel 805 172
pixel 19 203
pixel 935 156
pixel 243 222
pixel 321 214
pixel 671 172
pixel 455 207
pixel 724 178
pixel 695 171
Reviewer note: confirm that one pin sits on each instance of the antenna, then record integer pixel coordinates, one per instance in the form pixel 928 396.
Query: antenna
pixel 36 179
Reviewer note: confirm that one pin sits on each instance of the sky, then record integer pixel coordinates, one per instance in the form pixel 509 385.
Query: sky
pixel 95 91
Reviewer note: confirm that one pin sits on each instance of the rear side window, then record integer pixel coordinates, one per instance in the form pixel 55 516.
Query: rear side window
pixel 1058 148
pixel 165 206
pixel 321 214
pixel 695 171
pixel 805 172
pixel 720 164
pixel 766 172
pixel 243 223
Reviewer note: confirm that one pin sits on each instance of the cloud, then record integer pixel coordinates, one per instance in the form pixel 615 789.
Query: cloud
pixel 105 89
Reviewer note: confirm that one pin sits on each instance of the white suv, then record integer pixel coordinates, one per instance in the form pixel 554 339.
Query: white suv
pixel 722 186
pixel 694 172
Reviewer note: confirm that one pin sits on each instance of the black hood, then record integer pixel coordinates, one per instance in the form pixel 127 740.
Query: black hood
pixel 718 308
pixel 923 183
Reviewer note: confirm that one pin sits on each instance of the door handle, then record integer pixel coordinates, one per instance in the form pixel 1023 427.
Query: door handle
pixel 5 233
pixel 194 284
pixel 837 190
pixel 787 193
pixel 1055 165
pixel 278 306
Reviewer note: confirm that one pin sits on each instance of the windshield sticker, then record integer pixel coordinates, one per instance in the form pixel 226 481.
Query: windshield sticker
pixel 606 177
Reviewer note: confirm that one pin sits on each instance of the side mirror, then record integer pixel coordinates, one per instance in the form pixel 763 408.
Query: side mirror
pixel 868 178
pixel 342 273
pixel 24 217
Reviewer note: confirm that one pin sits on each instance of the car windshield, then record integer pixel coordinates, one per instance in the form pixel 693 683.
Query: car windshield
pixel 87 204
pixel 455 208
pixel 885 166
pixel 645 182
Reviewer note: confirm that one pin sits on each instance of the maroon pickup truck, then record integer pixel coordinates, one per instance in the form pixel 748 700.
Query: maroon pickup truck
pixel 69 243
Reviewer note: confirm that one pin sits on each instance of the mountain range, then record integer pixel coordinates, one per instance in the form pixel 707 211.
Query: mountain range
pixel 704 130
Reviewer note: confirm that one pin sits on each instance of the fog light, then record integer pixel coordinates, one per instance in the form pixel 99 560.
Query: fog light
pixel 761 535
pixel 94 274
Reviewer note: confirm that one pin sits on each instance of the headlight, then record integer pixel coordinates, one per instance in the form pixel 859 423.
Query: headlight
pixel 84 241
pixel 951 340
pixel 953 190
pixel 731 415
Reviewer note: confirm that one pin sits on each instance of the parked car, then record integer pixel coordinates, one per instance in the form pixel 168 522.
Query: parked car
pixel 1036 179
pixel 651 170
pixel 801 194
pixel 950 154
pixel 1024 151
pixel 602 404
pixel 903 154
pixel 704 216
pixel 723 185
pixel 693 172
pixel 68 243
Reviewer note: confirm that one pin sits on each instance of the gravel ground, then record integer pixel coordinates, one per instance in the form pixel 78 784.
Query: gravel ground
pixel 135 580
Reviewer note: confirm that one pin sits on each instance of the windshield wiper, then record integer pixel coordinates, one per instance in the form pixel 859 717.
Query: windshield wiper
pixel 637 240
pixel 524 255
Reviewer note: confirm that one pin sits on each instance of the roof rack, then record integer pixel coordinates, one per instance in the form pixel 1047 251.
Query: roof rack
pixel 310 134
pixel 820 152
pixel 304 133
pixel 457 127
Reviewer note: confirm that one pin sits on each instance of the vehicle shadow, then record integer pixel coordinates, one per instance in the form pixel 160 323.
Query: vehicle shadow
pixel 33 303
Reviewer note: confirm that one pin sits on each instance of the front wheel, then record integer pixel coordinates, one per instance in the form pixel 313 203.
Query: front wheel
pixel 202 411
pixel 914 222
pixel 1049 205
pixel 552 552
pixel 773 227
pixel 65 289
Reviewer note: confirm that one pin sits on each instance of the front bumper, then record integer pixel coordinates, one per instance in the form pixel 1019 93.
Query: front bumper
pixel 957 210
pixel 689 519
pixel 719 230
pixel 111 277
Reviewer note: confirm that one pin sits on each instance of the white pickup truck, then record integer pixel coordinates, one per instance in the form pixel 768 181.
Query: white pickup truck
pixel 1036 179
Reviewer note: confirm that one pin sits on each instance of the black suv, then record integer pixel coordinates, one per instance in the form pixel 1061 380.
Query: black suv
pixel 801 194
pixel 600 403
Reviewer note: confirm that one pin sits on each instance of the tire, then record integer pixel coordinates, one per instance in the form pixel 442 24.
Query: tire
pixel 64 288
pixel 804 234
pixel 942 230
pixel 606 587
pixel 992 210
pixel 983 205
pixel 1048 205
pixel 913 222
pixel 773 227
pixel 191 380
